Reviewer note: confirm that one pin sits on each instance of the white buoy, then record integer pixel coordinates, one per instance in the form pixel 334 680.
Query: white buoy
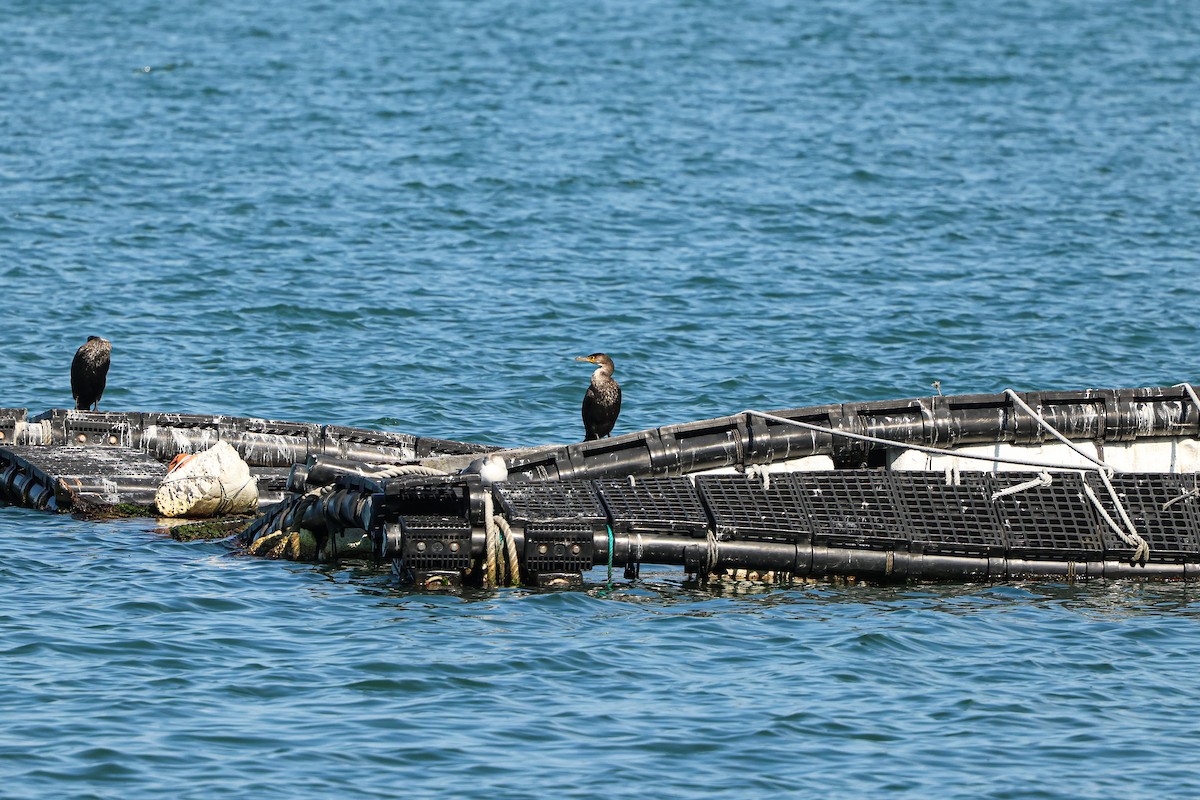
pixel 214 482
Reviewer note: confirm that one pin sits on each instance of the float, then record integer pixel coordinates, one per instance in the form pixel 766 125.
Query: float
pixel 1097 483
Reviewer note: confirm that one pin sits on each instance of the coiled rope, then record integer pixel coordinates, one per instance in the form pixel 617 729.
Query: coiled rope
pixel 714 549
pixel 501 563
pixel 490 552
pixel 510 542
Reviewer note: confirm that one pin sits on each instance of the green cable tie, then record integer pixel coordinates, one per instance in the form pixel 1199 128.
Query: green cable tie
pixel 610 552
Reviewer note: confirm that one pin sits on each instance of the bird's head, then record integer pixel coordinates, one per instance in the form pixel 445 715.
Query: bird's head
pixel 599 359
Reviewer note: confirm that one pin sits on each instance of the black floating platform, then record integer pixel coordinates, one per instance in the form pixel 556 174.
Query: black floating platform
pixel 875 525
pixel 654 505
pixel 75 478
pixel 1168 524
pixel 852 509
pixel 740 440
pixel 639 498
pixel 69 460
pixel 744 508
pixel 1051 523
pixel 574 501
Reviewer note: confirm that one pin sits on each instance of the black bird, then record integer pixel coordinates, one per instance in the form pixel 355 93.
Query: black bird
pixel 602 401
pixel 89 372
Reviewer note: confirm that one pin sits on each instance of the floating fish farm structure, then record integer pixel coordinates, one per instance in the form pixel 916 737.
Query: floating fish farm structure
pixel 72 461
pixel 1071 485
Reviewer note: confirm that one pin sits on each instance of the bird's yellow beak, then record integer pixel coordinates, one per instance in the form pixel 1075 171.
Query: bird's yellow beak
pixel 584 358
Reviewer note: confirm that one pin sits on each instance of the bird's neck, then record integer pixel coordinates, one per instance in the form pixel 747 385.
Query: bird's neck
pixel 601 376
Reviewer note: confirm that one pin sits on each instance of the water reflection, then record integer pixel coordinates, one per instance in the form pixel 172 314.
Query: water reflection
pixel 1101 599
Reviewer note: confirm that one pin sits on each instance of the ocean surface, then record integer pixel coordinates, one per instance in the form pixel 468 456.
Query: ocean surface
pixel 413 216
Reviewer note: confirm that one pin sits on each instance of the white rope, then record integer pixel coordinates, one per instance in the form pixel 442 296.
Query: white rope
pixel 1129 535
pixel 1191 392
pixel 713 550
pixel 1141 550
pixel 1181 498
pixel 510 541
pixel 760 471
pixel 501 555
pixel 491 539
pixel 1017 401
pixel 396 470
pixel 1044 479
pixel 501 563
pixel 937 451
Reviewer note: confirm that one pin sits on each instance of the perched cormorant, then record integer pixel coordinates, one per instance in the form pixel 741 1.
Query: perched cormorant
pixel 89 371
pixel 602 401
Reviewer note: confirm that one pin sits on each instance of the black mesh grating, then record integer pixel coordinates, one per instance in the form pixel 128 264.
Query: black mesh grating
pixel 436 543
pixel 1171 533
pixel 851 508
pixel 558 547
pixel 948 520
pixel 659 505
pixel 551 500
pixel 1055 522
pixel 742 509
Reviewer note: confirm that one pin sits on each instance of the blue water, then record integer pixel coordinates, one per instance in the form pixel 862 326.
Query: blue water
pixel 413 216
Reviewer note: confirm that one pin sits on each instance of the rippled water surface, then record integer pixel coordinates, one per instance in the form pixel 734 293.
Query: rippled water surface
pixel 413 216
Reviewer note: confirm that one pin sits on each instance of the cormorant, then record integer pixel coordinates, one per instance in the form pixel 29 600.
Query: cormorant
pixel 602 401
pixel 89 371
